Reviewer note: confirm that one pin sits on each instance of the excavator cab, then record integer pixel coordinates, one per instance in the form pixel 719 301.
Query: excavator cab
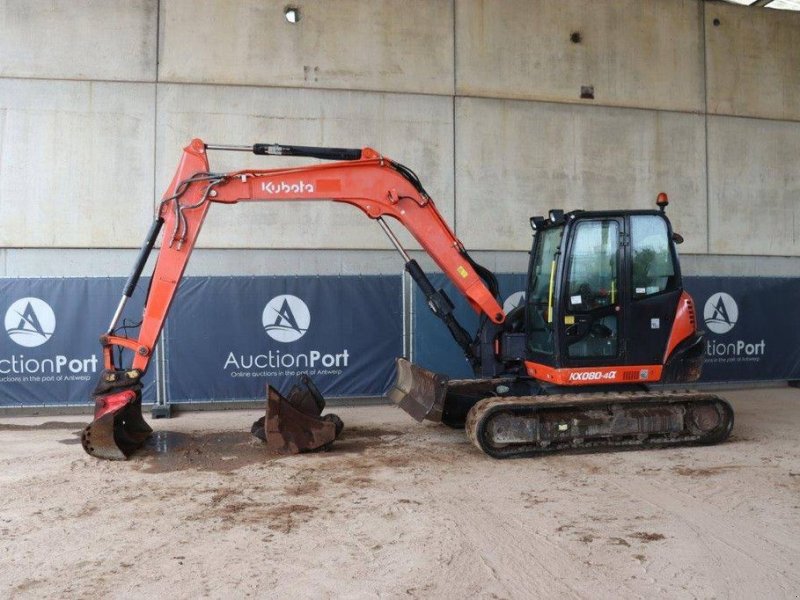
pixel 605 317
pixel 605 301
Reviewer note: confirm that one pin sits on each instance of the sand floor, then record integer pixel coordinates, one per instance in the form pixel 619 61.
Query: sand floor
pixel 399 510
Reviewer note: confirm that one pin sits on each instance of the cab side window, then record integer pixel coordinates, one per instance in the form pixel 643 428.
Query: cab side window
pixel 592 279
pixel 591 323
pixel 653 270
pixel 540 290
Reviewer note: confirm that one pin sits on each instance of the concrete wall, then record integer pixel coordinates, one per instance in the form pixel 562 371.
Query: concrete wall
pixel 348 44
pixel 639 53
pixel 599 157
pixel 753 62
pixel 84 39
pixel 76 162
pixel 481 98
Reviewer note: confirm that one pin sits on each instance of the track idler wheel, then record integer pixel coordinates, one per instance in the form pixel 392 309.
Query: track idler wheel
pixel 295 424
pixel 118 428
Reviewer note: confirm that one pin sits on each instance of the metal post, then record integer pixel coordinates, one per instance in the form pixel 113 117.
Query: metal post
pixel 161 407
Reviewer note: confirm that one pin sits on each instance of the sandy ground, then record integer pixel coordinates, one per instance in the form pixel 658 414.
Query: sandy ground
pixel 397 510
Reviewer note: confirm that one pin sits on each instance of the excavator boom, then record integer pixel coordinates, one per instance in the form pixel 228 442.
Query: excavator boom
pixel 379 187
pixel 376 185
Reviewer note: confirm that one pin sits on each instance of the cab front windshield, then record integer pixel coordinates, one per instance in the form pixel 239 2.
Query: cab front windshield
pixel 539 314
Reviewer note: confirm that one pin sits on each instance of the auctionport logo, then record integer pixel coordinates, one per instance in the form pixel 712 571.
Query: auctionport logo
pixel 721 312
pixel 513 301
pixel 286 318
pixel 30 322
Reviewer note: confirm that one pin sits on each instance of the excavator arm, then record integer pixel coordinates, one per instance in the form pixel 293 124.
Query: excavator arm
pixel 376 185
pixel 363 178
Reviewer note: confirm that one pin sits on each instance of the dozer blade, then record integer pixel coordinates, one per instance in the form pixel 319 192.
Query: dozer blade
pixel 294 425
pixel 118 428
pixel 419 392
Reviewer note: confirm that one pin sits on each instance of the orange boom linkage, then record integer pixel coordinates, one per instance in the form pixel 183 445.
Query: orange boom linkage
pixel 363 178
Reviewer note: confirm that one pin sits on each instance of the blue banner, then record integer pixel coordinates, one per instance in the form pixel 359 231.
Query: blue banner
pixel 752 333
pixel 227 337
pixel 751 330
pixel 50 353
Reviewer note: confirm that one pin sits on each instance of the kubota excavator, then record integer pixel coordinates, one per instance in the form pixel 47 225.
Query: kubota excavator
pixel 604 316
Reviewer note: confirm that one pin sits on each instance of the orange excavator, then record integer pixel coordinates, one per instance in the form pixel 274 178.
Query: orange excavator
pixel 605 316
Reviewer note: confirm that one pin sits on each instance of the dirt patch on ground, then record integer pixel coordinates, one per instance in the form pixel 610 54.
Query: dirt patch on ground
pixel 285 518
pixel 618 541
pixel 648 537
pixel 308 488
pixel 40 426
pixel 218 451
pixel 226 451
pixel 362 431
pixel 703 472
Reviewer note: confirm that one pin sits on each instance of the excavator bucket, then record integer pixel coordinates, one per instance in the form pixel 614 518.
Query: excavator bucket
pixel 295 424
pixel 419 392
pixel 118 428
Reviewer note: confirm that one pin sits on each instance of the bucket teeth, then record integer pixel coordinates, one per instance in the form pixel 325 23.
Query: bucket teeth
pixel 419 392
pixel 293 424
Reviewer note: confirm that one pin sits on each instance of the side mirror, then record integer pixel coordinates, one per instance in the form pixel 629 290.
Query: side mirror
pixel 677 238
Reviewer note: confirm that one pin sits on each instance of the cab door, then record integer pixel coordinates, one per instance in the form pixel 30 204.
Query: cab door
pixel 590 318
pixel 539 325
pixel 654 289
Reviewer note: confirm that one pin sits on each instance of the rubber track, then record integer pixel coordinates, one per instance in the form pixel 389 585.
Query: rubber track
pixel 482 413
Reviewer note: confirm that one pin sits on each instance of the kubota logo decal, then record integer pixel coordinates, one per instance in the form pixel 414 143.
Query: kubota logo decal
pixel 30 322
pixel 301 187
pixel 286 318
pixel 721 312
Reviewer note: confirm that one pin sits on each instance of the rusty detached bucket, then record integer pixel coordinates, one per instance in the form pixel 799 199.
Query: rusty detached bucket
pixel 295 424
